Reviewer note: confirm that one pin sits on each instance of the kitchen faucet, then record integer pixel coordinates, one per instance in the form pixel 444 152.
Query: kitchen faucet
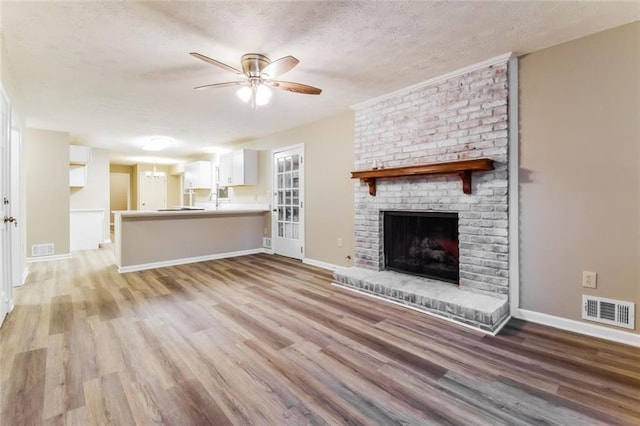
pixel 214 193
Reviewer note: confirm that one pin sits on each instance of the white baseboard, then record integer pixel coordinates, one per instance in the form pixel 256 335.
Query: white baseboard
pixel 491 333
pixel 588 329
pixel 320 264
pixel 48 258
pixel 184 261
pixel 25 274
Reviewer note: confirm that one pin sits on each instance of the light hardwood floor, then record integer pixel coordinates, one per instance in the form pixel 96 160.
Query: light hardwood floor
pixel 266 340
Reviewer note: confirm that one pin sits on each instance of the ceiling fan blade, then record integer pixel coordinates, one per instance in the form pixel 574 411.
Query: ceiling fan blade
pixel 216 85
pixel 279 66
pixel 296 87
pixel 216 63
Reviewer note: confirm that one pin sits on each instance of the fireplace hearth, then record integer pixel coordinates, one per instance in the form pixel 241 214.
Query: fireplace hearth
pixel 422 243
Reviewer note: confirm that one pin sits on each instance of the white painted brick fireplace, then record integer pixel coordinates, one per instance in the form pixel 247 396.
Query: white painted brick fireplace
pixel 463 116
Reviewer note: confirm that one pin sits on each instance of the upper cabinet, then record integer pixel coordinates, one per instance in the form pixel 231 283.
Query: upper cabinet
pixel 79 155
pixel 78 176
pixel 239 167
pixel 198 175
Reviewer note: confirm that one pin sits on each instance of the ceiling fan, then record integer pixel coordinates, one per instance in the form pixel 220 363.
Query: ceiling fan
pixel 257 76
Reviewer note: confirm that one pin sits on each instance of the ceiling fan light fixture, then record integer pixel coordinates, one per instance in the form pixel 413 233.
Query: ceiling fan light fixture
pixel 244 93
pixel 258 73
pixel 263 95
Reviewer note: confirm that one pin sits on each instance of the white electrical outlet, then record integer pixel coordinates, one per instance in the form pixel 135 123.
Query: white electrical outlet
pixel 339 242
pixel 588 279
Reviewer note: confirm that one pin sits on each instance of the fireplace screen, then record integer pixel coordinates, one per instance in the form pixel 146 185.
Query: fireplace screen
pixel 422 243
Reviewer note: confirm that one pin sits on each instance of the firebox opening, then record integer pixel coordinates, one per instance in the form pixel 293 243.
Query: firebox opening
pixel 422 243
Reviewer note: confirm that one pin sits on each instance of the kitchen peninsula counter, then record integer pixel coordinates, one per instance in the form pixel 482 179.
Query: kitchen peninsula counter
pixel 153 239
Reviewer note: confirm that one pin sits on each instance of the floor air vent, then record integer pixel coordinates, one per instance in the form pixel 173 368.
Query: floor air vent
pixel 608 311
pixel 42 250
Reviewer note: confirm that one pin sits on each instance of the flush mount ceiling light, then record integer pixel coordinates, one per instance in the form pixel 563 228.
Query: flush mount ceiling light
pixel 156 143
pixel 256 77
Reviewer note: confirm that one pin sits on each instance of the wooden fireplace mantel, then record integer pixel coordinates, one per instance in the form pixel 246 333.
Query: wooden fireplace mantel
pixel 462 168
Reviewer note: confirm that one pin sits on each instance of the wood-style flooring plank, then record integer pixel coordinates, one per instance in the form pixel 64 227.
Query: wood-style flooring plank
pixel 23 393
pixel 266 340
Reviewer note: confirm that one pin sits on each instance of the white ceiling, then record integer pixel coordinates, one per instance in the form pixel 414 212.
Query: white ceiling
pixel 113 72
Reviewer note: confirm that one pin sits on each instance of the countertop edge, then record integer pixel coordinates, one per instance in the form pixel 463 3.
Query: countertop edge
pixel 153 213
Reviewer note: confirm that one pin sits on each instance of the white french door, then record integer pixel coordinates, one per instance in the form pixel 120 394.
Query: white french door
pixel 287 218
pixel 152 191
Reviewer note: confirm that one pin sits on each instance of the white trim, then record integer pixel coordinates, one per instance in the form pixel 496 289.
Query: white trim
pixel 588 329
pixel 287 148
pixel 493 61
pixel 320 264
pixel 48 258
pixel 186 260
pixel 491 333
pixel 25 274
pixel 107 241
pixel 514 188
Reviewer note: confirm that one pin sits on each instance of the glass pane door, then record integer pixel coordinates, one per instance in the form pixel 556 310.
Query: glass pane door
pixel 288 198
pixel 288 217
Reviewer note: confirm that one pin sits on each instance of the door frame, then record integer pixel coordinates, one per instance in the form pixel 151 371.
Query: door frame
pixel 273 193
pixel 19 270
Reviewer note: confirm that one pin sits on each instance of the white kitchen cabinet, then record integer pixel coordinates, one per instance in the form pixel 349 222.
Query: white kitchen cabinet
pixel 198 175
pixel 77 176
pixel 79 154
pixel 239 167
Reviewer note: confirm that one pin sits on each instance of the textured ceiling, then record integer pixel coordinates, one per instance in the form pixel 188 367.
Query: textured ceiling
pixel 113 72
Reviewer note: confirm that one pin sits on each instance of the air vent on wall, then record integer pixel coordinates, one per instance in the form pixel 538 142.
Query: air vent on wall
pixel 266 242
pixel 608 311
pixel 42 250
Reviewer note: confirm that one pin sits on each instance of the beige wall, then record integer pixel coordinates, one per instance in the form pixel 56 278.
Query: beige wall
pixel 580 171
pixel 95 194
pixel 119 193
pixel 47 189
pixel 328 185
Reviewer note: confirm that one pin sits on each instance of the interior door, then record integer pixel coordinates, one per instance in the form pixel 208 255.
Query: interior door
pixel 6 287
pixel 152 194
pixel 288 203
